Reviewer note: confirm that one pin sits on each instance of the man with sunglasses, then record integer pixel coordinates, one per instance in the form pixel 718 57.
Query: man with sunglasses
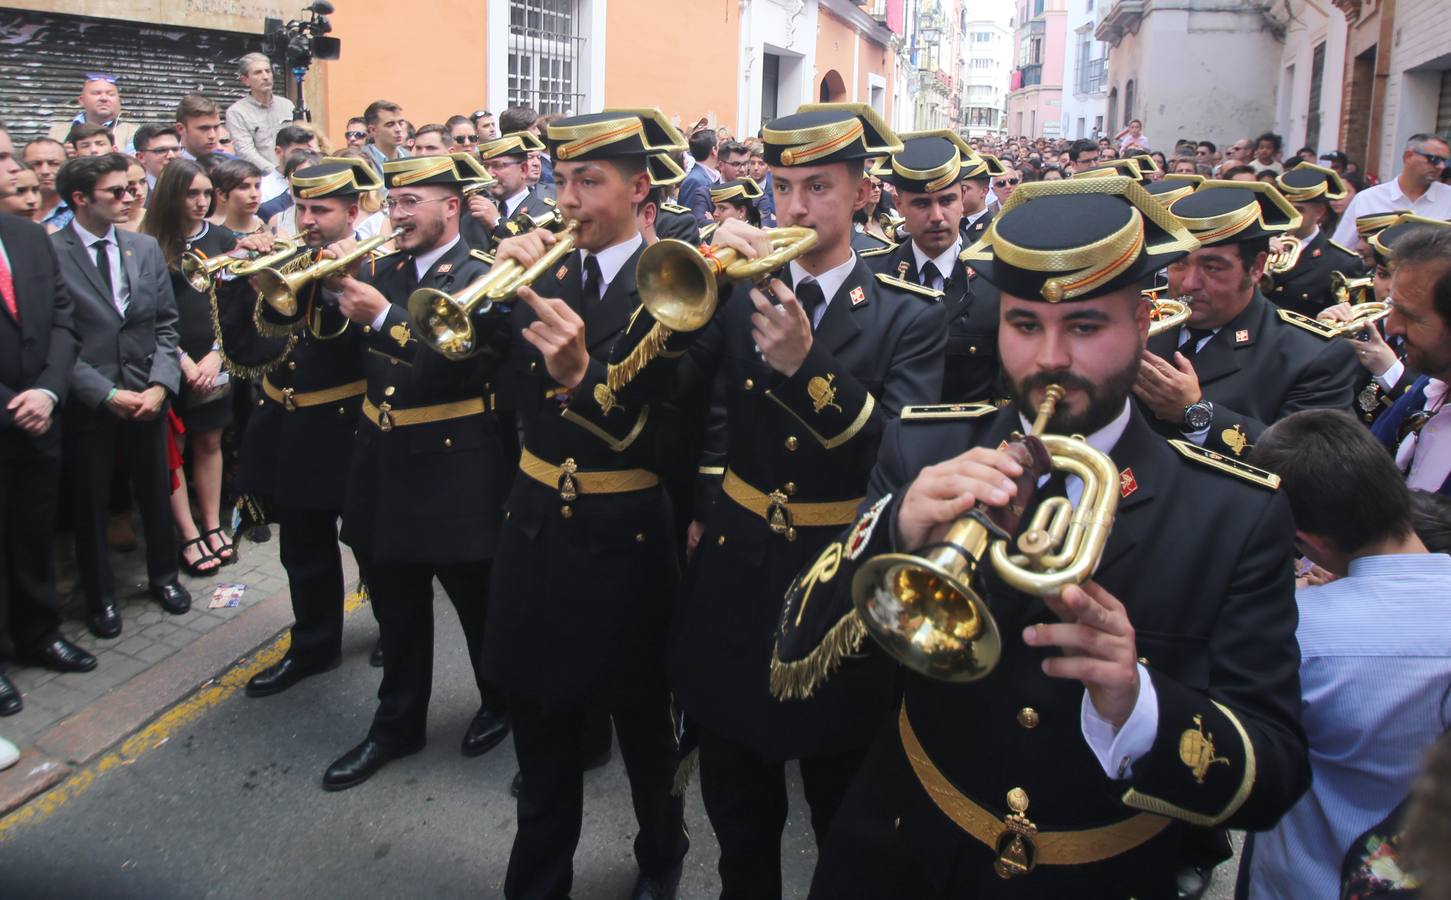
pixel 1417 189
pixel 127 370
pixel 484 125
pixel 463 137
pixel 357 133
pixel 1006 183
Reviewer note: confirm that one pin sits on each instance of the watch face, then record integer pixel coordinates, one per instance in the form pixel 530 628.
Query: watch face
pixel 1197 416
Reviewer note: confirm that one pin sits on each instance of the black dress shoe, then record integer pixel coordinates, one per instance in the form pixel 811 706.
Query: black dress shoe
pixel 485 732
pixel 10 702
pixel 1193 881
pixel 280 676
pixel 376 660
pixel 105 622
pixel 657 886
pixel 359 764
pixel 60 655
pixel 173 598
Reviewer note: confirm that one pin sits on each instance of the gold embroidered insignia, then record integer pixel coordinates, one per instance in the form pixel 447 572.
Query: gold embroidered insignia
pixel 1235 439
pixel 401 334
pixel 1017 850
pixel 861 532
pixel 821 571
pixel 1196 750
pixel 822 394
pixel 902 268
pixel 605 398
pixel 568 486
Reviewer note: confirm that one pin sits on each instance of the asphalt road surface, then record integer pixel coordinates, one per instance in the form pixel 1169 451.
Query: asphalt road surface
pixel 230 806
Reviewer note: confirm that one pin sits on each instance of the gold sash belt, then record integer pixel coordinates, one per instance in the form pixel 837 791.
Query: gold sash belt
pixel 781 514
pixel 386 418
pixel 571 482
pixel 293 401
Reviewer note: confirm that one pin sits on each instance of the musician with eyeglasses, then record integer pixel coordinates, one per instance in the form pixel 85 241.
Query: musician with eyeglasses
pixel 426 480
pixel 1052 737
pixel 929 175
pixel 308 371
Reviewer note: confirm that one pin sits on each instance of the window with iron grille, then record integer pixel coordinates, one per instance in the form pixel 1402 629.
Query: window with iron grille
pixel 545 48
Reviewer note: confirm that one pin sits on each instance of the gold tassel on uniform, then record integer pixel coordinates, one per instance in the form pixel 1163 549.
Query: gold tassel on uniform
pixel 651 346
pixel 231 365
pixel 799 680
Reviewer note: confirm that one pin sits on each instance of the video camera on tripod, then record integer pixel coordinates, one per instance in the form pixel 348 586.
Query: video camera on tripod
pixel 297 43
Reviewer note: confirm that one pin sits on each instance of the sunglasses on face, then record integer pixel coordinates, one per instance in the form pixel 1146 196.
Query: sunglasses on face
pixel 355 135
pixel 119 190
pixel 1008 182
pixel 1431 158
pixel 465 139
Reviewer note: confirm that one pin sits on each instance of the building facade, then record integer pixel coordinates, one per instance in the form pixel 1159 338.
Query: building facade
pixel 1085 73
pixel 1035 96
pixel 986 74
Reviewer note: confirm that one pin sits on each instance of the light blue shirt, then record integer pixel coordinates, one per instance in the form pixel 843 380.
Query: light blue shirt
pixel 1375 663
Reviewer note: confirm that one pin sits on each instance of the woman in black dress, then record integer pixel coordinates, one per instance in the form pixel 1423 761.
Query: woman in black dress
pixel 177 218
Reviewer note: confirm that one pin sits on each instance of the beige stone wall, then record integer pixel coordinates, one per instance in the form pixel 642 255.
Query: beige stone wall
pixel 221 15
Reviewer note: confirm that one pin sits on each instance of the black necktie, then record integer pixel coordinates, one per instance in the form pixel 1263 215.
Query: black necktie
pixel 1191 346
pixel 103 264
pixel 410 273
pixel 930 274
pixel 809 295
pixel 592 278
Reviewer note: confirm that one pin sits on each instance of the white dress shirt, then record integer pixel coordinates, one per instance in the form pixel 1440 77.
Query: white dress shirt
pixel 1388 197
pixel 511 204
pixel 1425 457
pixel 1116 749
pixel 612 260
pixel 944 263
pixel 831 281
pixel 120 291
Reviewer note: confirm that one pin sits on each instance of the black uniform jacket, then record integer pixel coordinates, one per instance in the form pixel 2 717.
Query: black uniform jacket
pixel 812 438
pixel 971 306
pixel 1306 288
pixel 480 237
pixel 1261 367
pixel 429 492
pixel 39 351
pixel 295 454
pixel 582 587
pixel 1202 561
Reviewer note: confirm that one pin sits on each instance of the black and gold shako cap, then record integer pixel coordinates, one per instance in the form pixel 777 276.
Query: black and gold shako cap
pixel 1077 239
pixel 334 177
pixel 452 170
pixel 1308 182
pixel 1232 212
pixel 1383 242
pixel 1369 224
pixel 736 189
pixel 1171 187
pixel 819 133
pixel 929 161
pixel 620 134
pixel 515 143
pixel 1125 166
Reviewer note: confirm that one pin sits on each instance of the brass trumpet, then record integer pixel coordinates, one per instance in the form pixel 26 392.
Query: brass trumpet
pixel 679 284
pixel 1284 254
pixel 925 609
pixel 1353 291
pixel 444 321
pixel 280 290
pixel 199 271
pixel 1362 316
pixel 1168 314
pixel 282 248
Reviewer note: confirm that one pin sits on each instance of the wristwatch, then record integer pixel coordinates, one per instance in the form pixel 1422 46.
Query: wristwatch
pixel 1197 416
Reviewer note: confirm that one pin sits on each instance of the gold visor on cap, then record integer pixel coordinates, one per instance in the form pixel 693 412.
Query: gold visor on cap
pixel 417 168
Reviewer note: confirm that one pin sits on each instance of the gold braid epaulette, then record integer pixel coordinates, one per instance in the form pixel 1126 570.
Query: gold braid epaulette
pixel 234 367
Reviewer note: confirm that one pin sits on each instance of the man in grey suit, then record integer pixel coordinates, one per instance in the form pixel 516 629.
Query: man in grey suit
pixel 128 368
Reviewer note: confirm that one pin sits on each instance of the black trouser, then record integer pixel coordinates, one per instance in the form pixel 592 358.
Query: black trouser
pixel 314 564
pixel 745 798
pixel 402 598
pixel 552 743
pixel 90 441
pixel 29 492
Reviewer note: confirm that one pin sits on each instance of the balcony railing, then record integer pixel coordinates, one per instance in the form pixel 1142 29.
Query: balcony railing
pixel 1031 75
pixel 1117 18
pixel 1092 76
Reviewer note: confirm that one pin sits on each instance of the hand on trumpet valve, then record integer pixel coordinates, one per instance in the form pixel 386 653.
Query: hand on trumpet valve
pixel 747 240
pixel 944 493
pixel 256 244
pixel 1371 350
pixel 781 330
pixel 1340 312
pixel 360 302
pixel 558 333
pixel 1097 648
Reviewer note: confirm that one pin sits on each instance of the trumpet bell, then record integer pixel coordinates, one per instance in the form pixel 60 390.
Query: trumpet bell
pixel 928 618
pixel 677 285
pixel 442 322
pixel 1167 314
pixel 199 271
pixel 278 290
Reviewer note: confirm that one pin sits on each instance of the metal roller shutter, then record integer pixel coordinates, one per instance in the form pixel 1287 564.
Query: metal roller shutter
pixel 45 58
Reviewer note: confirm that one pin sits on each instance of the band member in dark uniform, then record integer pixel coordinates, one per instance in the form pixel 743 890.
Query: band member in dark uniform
pixel 503 210
pixel 586 568
pixel 1112 711
pixel 299 439
pixel 1305 287
pixel 805 370
pixel 929 175
pixel 426 483
pixel 1239 364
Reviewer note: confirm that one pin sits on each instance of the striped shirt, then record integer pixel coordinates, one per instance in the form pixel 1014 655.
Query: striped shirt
pixel 1375 665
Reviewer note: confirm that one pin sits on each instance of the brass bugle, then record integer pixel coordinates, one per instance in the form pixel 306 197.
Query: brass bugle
pixel 280 290
pixel 199 271
pixel 1351 291
pixel 444 321
pixel 679 284
pixel 1284 254
pixel 282 248
pixel 1362 316
pixel 925 609
pixel 1167 314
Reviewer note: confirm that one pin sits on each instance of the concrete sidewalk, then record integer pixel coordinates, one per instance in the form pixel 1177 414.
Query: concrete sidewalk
pixel 70 719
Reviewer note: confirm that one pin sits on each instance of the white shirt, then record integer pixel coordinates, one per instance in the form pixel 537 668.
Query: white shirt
pixel 612 260
pixel 421 264
pixel 511 204
pixel 831 281
pixel 1116 750
pixel 273 185
pixel 973 217
pixel 944 263
pixel 1430 461
pixel 120 291
pixel 1388 197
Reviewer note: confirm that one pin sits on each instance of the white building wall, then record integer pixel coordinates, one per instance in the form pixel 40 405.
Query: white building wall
pixel 788 31
pixel 987 68
pixel 1310 25
pixel 1421 50
pixel 1082 16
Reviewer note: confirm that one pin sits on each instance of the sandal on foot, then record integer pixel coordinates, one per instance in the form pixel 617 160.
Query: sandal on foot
pixel 227 553
pixel 198 569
